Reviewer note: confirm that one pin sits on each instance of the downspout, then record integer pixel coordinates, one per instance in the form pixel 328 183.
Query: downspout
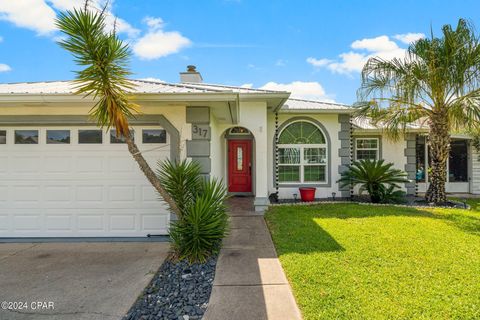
pixel 276 156
pixel 351 152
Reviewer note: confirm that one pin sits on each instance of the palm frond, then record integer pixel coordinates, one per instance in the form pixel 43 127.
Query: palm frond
pixel 437 75
pixel 105 60
pixel 373 177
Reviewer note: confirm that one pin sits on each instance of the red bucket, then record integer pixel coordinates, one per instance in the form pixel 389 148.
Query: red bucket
pixel 307 194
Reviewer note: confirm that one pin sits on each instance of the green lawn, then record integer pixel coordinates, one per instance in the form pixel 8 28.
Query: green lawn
pixel 350 261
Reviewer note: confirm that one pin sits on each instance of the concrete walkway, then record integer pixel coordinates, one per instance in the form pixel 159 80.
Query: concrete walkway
pixel 249 280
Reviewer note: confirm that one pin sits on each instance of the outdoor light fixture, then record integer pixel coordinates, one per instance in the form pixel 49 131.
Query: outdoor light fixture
pixel 333 195
pixel 295 197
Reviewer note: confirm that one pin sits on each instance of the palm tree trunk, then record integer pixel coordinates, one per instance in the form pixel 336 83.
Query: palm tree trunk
pixel 439 142
pixel 151 176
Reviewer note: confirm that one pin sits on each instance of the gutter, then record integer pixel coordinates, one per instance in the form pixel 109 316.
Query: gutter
pixel 336 111
pixel 71 97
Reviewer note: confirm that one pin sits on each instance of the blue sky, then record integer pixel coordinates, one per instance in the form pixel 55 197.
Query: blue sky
pixel 313 48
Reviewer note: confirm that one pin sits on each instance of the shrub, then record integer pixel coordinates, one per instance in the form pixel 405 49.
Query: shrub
pixel 390 195
pixel 375 177
pixel 181 180
pixel 203 223
pixel 199 233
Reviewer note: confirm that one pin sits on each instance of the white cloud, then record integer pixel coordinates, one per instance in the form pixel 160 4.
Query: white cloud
pixel 408 38
pixel 151 79
pixel 1 39
pixel 318 62
pixel 68 4
pixel 4 67
pixel 39 15
pixel 300 89
pixel 378 44
pixel 111 20
pixel 31 14
pixel 157 43
pixel 154 23
pixel 247 85
pixel 364 49
pixel 280 63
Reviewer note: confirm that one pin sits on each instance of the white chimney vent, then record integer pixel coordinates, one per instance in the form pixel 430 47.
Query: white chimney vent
pixel 192 75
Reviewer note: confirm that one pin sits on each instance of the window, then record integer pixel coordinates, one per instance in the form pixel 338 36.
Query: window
pixel 90 136
pixel 366 148
pixel 239 130
pixel 26 136
pixel 420 159
pixel 120 139
pixel 3 137
pixel 302 152
pixel 457 163
pixel 239 158
pixel 58 136
pixel 154 136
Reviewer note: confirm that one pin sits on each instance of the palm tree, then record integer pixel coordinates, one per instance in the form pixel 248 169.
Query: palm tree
pixel 437 83
pixel 104 58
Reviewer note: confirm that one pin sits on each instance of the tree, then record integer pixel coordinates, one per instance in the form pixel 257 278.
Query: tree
pixel 104 58
pixel 437 83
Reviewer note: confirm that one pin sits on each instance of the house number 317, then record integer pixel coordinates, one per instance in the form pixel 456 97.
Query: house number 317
pixel 199 131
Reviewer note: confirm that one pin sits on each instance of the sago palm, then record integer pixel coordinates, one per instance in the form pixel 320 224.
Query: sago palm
pixel 104 58
pixel 437 83
pixel 375 177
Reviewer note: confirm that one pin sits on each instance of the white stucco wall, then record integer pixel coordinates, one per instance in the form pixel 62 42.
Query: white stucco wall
pixel 253 116
pixel 391 151
pixel 332 126
pixel 394 152
pixel 177 117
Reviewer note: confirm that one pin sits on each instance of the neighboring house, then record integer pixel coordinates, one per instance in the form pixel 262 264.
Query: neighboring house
pixel 61 176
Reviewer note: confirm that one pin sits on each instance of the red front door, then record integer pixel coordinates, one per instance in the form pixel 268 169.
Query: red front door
pixel 239 166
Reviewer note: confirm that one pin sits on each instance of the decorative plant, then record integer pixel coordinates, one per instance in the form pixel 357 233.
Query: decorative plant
pixel 437 83
pixel 182 181
pixel 391 195
pixel 104 77
pixel 375 177
pixel 203 221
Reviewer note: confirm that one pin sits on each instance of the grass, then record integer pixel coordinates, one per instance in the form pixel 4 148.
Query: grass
pixel 350 261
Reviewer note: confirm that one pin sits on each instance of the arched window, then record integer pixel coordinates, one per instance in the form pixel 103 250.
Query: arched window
pixel 302 150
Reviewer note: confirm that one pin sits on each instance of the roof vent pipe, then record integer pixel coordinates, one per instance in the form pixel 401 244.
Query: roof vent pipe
pixel 191 75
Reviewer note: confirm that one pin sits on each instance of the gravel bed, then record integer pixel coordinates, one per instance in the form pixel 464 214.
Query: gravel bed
pixel 179 291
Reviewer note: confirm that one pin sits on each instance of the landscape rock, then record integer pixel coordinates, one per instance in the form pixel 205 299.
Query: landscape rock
pixel 179 291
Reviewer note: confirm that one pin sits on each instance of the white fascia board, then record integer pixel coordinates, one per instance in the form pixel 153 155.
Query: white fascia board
pixel 342 111
pixel 44 98
pixel 362 130
pixel 263 96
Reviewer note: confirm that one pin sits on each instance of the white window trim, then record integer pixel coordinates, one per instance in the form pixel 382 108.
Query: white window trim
pixel 377 149
pixel 302 164
pixel 74 138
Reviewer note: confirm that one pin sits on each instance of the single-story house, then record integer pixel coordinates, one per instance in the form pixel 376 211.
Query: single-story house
pixel 62 176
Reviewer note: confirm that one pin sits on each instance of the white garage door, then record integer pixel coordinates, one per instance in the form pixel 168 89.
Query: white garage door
pixel 78 182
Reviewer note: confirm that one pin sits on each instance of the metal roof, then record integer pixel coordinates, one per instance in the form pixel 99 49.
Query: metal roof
pixel 366 124
pixel 157 87
pixel 227 88
pixel 301 104
pixel 68 87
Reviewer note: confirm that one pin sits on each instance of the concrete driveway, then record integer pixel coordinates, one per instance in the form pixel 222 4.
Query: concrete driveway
pixel 75 280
